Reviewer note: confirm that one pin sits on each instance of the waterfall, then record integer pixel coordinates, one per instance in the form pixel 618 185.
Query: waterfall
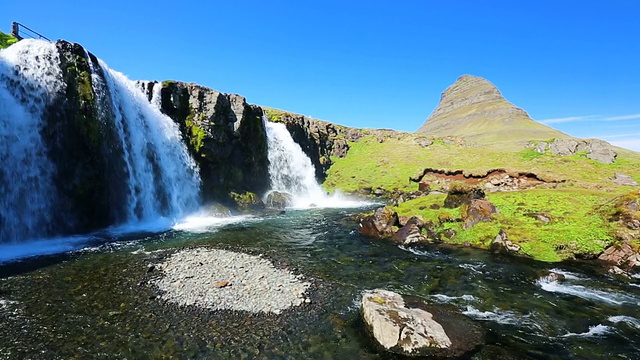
pixel 162 178
pixel 149 172
pixel 292 172
pixel 29 74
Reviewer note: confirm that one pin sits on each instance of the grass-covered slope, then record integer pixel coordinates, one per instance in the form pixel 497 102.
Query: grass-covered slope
pixel 6 40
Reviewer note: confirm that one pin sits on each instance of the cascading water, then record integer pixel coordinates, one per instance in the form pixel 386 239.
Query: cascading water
pixel 155 175
pixel 163 180
pixel 29 74
pixel 291 172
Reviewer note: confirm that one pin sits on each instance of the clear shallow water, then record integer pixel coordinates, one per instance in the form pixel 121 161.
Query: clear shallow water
pixel 97 304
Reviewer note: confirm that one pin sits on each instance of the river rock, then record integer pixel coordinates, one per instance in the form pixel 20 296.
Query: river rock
pixel 226 280
pixel 502 244
pixel 478 210
pixel 278 200
pixel 410 232
pixel 381 224
pixel 411 327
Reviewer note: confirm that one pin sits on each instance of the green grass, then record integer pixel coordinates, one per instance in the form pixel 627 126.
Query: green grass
pixel 6 40
pixel 390 164
pixel 579 224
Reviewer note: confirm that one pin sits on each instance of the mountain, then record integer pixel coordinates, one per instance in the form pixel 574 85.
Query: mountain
pixel 474 109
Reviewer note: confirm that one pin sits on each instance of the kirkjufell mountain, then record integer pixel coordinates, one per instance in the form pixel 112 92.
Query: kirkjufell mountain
pixel 473 108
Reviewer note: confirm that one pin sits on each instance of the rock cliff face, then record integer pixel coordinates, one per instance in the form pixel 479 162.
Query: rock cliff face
pixel 79 146
pixel 474 109
pixel 225 135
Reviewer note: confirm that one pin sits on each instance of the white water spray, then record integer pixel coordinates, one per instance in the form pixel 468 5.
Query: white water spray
pixel 29 74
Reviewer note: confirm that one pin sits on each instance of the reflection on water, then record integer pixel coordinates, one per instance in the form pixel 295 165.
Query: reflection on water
pixel 580 315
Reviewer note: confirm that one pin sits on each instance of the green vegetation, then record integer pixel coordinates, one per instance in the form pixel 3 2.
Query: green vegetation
pixel 578 223
pixel 197 133
pixel 6 40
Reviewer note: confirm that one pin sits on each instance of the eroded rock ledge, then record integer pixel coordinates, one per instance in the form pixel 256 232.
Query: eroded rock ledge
pixel 492 180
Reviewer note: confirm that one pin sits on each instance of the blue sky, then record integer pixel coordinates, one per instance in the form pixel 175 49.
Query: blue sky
pixel 572 64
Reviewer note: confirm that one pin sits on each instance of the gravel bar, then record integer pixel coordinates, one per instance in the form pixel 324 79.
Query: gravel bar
pixel 227 280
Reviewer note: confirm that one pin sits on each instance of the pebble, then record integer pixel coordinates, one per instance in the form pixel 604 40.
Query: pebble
pixel 201 277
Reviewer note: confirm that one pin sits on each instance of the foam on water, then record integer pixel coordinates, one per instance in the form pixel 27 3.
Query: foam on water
pixel 202 223
pixel 594 331
pixel 497 315
pixel 629 320
pixel 609 297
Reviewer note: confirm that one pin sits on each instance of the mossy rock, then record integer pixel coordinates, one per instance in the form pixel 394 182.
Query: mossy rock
pixel 247 201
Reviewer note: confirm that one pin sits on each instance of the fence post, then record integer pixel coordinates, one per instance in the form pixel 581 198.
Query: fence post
pixel 15 30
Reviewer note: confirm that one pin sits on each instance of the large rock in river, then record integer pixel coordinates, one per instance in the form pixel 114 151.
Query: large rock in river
pixel 382 224
pixel 411 327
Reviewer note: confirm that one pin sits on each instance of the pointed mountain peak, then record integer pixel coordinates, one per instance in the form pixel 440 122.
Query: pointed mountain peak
pixel 467 90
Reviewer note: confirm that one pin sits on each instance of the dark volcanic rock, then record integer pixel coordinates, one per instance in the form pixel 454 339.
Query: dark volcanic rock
pixel 225 135
pixel 80 143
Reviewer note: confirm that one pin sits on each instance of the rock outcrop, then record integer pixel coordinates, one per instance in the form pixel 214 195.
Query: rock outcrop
pixel 474 109
pixel 226 137
pixel 598 150
pixel 414 328
pixel 621 255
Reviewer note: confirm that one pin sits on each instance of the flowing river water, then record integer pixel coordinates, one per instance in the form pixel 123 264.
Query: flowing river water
pixel 99 302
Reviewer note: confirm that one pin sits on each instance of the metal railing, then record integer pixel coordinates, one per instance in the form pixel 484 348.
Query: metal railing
pixel 20 32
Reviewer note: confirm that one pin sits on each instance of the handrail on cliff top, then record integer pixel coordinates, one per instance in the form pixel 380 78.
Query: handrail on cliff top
pixel 26 32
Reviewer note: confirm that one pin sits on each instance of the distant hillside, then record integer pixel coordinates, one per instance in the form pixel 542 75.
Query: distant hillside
pixel 473 108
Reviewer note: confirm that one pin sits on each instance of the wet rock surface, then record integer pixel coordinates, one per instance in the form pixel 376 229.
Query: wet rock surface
pixel 226 280
pixel 411 327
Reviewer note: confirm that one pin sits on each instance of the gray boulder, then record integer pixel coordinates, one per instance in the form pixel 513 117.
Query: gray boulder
pixel 278 200
pixel 563 147
pixel 601 151
pixel 411 327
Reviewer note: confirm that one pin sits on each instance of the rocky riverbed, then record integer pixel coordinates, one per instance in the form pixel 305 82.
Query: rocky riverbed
pixel 227 280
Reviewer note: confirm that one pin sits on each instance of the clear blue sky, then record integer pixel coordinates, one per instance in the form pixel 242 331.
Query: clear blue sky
pixel 574 64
